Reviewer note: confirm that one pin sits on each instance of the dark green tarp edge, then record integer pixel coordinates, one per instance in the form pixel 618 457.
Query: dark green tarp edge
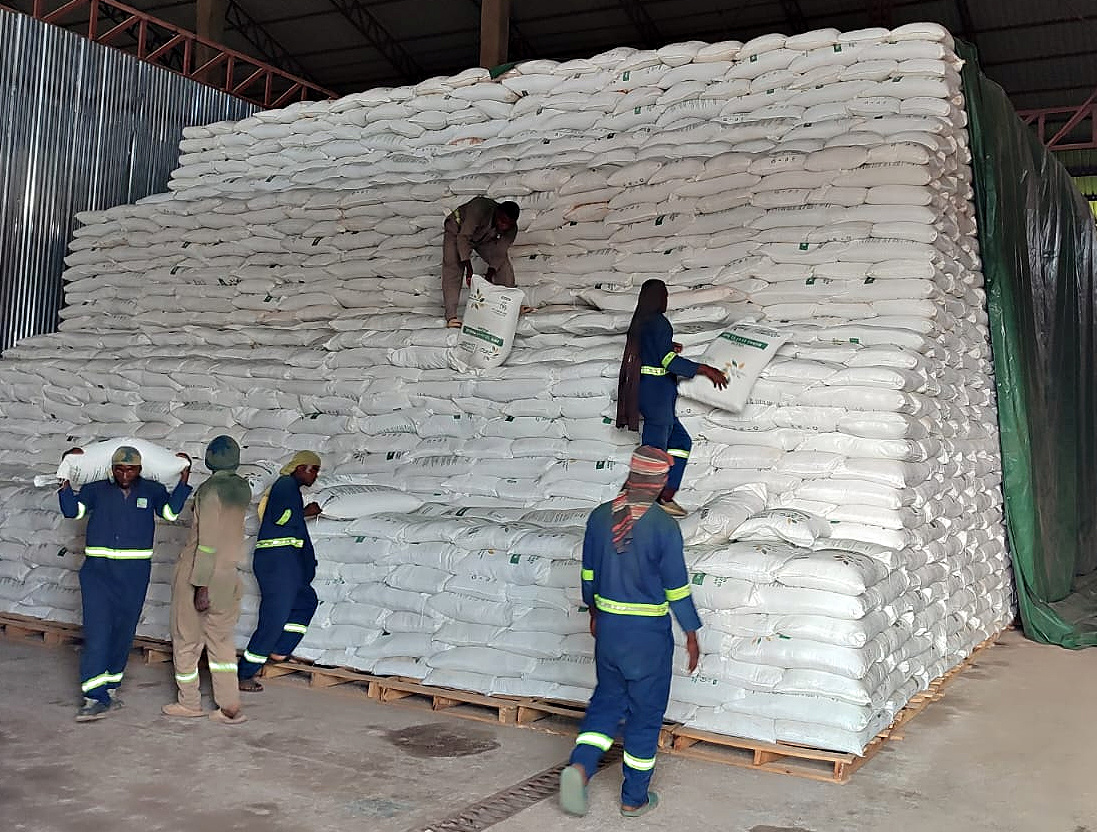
pixel 1038 243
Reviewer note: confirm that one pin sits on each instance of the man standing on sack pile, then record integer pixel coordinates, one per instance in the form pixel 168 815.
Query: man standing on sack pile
pixel 648 385
pixel 205 590
pixel 488 228
pixel 634 574
pixel 114 578
pixel 284 564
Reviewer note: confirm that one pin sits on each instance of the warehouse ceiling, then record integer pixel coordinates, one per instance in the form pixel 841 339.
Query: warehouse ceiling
pixel 1041 52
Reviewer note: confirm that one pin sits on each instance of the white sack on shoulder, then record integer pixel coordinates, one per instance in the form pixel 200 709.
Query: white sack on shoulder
pixel 157 463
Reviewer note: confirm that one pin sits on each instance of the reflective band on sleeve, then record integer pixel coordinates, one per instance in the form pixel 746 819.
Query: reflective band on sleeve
pixel 81 510
pixel 209 550
pixel 595 739
pixel 169 515
pixel 457 216
pixel 295 542
pixel 652 371
pixel 296 628
pixel 183 678
pixel 254 659
pixel 623 608
pixel 286 515
pixel 639 763
pixel 678 452
pixel 117 554
pixel 668 358
pixel 677 594
pixel 222 667
pixel 587 574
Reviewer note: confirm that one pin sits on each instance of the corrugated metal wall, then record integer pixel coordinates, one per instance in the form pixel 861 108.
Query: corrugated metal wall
pixel 82 127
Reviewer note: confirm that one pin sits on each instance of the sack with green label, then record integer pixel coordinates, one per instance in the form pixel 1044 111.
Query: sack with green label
pixel 741 352
pixel 487 335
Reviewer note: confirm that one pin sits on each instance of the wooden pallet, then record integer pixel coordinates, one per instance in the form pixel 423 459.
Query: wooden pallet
pixel 561 718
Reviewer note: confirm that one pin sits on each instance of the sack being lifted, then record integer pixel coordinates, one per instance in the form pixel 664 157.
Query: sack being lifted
pixel 487 334
pixel 157 463
pixel 741 353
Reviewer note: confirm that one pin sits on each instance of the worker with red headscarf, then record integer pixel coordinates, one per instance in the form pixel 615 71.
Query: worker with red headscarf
pixel 648 385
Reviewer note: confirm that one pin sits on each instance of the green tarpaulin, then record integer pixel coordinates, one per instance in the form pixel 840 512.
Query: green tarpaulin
pixel 1038 243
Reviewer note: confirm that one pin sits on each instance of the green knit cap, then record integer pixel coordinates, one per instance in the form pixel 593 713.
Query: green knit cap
pixel 223 454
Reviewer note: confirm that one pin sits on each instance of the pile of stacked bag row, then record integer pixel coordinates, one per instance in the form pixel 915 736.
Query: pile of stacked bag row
pixel 845 539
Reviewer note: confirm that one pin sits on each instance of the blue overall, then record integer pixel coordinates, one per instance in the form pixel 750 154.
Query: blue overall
pixel 115 575
pixel 633 593
pixel 660 369
pixel 284 564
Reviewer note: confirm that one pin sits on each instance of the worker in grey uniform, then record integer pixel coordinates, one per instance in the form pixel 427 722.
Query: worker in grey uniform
pixel 486 227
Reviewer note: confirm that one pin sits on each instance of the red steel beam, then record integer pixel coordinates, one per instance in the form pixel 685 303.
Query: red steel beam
pixel 1064 120
pixel 278 89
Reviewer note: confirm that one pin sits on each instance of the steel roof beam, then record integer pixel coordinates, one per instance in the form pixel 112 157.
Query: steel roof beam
pixel 380 39
pixel 269 49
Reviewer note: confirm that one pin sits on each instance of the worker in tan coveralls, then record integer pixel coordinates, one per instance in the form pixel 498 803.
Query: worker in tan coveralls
pixel 205 596
pixel 486 227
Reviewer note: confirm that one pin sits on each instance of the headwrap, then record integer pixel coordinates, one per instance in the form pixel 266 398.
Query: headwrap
pixel 652 302
pixel 223 454
pixel 299 458
pixel 125 455
pixel 647 475
pixel 511 209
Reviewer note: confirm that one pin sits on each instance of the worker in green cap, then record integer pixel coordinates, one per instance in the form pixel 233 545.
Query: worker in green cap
pixel 114 578
pixel 205 599
pixel 284 564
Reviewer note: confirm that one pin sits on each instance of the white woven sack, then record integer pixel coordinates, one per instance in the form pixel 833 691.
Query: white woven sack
pixel 491 317
pixel 157 463
pixel 741 352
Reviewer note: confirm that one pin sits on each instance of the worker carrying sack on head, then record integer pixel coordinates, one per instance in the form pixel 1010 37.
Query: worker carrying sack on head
pixel 634 575
pixel 486 227
pixel 284 564
pixel 114 578
pixel 648 385
pixel 205 589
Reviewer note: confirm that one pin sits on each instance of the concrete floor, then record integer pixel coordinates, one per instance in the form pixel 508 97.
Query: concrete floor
pixel 1011 748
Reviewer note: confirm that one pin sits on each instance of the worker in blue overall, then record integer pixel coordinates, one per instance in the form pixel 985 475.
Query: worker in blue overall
pixel 634 574
pixel 114 578
pixel 284 564
pixel 648 385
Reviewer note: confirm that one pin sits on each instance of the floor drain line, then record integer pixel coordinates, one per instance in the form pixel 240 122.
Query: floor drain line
pixel 508 802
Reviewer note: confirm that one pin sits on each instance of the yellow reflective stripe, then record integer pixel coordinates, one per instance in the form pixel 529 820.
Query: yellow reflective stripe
pixel 678 452
pixel 639 763
pixel 209 550
pixel 587 574
pixel 96 682
pixel 296 628
pixel 668 358
pixel 81 510
pixel 595 739
pixel 117 554
pixel 223 667
pixel 168 514
pixel 183 678
pixel 254 659
pixel 457 215
pixel 623 608
pixel 286 515
pixel 653 371
pixel 677 594
pixel 295 542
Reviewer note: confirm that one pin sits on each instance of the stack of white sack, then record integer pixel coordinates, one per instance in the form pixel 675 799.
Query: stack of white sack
pixel 287 293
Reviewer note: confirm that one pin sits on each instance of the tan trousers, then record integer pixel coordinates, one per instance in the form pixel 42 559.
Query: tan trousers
pixel 212 631
pixel 453 277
